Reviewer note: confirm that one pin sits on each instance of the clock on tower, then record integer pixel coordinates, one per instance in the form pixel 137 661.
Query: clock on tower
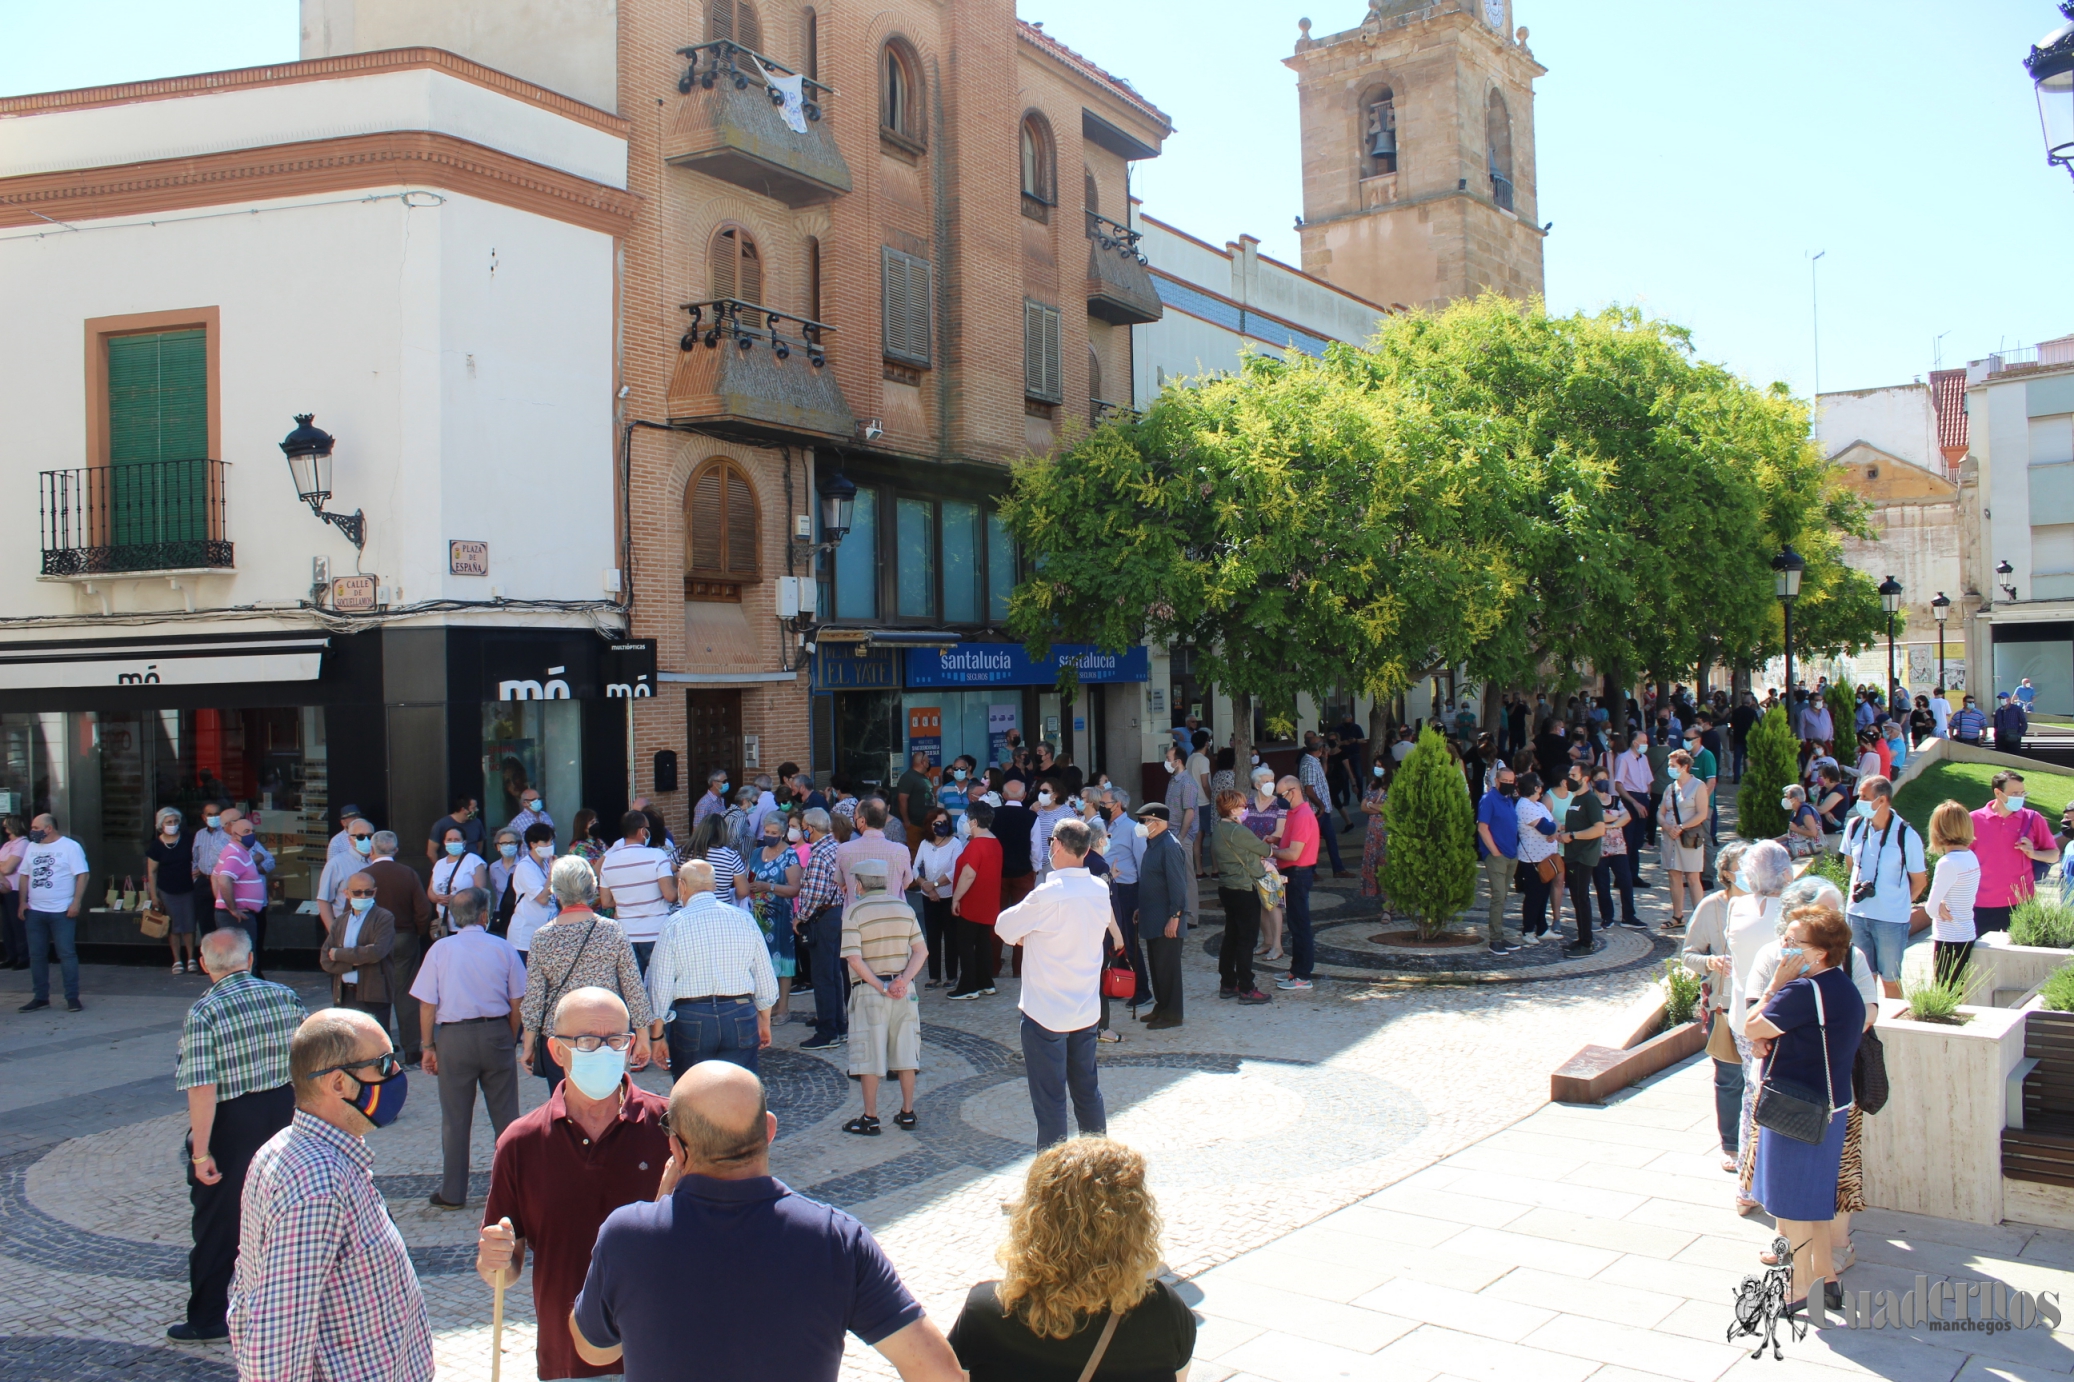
pixel 1494 14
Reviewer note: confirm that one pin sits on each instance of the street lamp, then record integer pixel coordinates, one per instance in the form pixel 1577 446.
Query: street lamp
pixel 2051 65
pixel 309 461
pixel 2003 571
pixel 1788 566
pixel 1942 608
pixel 838 505
pixel 1890 601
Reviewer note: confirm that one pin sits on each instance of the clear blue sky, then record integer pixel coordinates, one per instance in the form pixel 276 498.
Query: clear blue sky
pixel 1691 156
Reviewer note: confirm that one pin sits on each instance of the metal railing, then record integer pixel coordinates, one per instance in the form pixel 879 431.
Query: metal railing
pixel 2054 352
pixel 1501 190
pixel 749 324
pixel 146 516
pixel 1113 235
pixel 720 65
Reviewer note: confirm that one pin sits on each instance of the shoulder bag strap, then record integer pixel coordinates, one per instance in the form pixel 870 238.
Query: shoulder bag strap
pixel 556 991
pixel 1822 1034
pixel 1101 1347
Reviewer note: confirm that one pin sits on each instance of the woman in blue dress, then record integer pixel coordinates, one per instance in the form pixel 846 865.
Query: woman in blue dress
pixel 776 873
pixel 1807 1030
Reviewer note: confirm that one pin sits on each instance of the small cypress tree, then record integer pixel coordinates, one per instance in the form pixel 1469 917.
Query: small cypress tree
pixel 1430 871
pixel 1773 766
pixel 1843 714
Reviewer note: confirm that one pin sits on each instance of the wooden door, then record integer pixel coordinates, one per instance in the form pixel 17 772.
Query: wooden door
pixel 713 721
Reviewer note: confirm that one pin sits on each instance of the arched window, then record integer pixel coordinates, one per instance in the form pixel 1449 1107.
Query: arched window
pixel 1379 133
pixel 1040 180
pixel 719 532
pixel 900 105
pixel 1497 125
pixel 813 248
pixel 734 20
pixel 737 269
pixel 810 43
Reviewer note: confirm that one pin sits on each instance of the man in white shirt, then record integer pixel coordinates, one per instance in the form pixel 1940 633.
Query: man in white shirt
pixel 711 979
pixel 342 843
pixel 634 880
pixel 1941 712
pixel 1401 750
pixel 343 863
pixel 54 875
pixel 1060 927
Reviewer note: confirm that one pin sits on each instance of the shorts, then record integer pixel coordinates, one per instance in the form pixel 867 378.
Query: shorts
pixel 885 1033
pixel 1883 943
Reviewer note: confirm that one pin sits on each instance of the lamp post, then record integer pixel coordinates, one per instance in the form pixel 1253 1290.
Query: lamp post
pixel 309 460
pixel 1942 608
pixel 2003 571
pixel 838 505
pixel 2051 65
pixel 1890 601
pixel 1786 584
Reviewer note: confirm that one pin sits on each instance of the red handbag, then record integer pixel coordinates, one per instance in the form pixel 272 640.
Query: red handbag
pixel 1119 980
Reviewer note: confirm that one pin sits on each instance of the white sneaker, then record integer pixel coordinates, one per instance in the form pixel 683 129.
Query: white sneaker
pixel 179 968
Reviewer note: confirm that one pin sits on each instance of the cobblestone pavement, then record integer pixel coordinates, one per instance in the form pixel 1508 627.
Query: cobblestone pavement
pixel 1258 1121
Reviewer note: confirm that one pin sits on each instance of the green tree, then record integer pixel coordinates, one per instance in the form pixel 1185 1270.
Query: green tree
pixel 1429 873
pixel 1843 715
pixel 1773 766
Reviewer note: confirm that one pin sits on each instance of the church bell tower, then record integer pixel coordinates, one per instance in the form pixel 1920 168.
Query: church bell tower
pixel 1418 153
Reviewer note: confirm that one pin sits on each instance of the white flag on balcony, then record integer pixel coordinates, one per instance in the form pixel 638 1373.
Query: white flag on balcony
pixel 793 89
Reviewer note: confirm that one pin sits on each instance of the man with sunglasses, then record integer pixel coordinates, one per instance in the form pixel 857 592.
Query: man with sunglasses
pixel 324 1285
pixel 598 1131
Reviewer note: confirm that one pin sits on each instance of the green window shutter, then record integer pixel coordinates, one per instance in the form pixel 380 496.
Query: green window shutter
pixel 158 397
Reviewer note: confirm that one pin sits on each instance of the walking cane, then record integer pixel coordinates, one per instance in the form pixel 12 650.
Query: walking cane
pixel 497 1331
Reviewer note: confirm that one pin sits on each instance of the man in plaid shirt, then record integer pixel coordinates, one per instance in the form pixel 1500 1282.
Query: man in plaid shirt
pixel 324 1286
pixel 817 915
pixel 234 1067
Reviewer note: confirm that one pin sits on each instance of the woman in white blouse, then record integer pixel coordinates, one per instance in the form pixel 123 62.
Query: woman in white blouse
pixel 936 863
pixel 1952 890
pixel 1537 831
pixel 458 867
pixel 1752 923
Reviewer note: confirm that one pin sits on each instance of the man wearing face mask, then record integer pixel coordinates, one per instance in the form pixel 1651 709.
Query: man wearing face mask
pixel 532 811
pixel 714 802
pixel 341 843
pixel 956 792
pixel 1969 724
pixel 208 843
pixel 54 874
pixel 598 1129
pixel 1166 883
pixel 2008 837
pixel 324 1284
pixel 240 890
pixel 359 952
pixel 1888 874
pixel 341 866
pixel 468 991
pixel 1497 849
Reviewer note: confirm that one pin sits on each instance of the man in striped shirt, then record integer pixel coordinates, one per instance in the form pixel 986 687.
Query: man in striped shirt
pixel 324 1285
pixel 234 1067
pixel 817 919
pixel 634 880
pixel 882 942
pixel 711 977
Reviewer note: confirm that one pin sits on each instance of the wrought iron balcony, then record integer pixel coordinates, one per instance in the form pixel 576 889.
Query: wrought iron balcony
pixel 733 124
pixel 1119 286
pixel 751 371
pixel 1501 190
pixel 138 518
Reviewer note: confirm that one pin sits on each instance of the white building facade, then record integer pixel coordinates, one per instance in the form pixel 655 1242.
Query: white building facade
pixel 421 253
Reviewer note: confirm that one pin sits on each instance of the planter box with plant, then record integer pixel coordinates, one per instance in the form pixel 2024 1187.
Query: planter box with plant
pixel 1664 1035
pixel 1936 1147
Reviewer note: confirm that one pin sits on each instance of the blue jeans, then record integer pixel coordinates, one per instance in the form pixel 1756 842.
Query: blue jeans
pixel 1882 941
pixel 642 950
pixel 831 992
pixel 713 1029
pixel 1054 1062
pixel 1329 828
pixel 43 928
pixel 1303 950
pixel 1728 1100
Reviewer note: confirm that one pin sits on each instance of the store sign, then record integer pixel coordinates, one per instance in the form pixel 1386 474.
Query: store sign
pixel 1007 664
pixel 464 558
pixel 855 667
pixel 558 666
pixel 628 669
pixel 207 660
pixel 353 594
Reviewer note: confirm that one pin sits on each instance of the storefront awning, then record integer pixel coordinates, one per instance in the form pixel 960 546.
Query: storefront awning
pixel 179 660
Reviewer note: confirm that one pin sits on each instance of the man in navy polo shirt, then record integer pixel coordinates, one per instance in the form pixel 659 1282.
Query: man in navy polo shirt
pixel 684 1287
pixel 1497 849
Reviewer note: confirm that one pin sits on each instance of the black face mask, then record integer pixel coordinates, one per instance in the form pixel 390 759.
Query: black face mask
pixel 942 828
pixel 1507 789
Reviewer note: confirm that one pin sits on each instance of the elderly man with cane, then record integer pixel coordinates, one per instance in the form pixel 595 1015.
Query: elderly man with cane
pixel 598 1131
pixel 234 1067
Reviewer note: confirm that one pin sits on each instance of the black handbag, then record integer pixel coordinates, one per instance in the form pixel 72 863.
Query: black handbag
pixel 1869 1073
pixel 1793 1110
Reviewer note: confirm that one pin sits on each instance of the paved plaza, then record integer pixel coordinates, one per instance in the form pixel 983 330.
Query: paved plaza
pixel 1348 1185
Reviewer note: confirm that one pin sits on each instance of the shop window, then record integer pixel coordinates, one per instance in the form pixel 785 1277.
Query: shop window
pixel 1001 571
pixel 857 561
pixel 906 291
pixel 1039 168
pixel 900 96
pixel 1041 353
pixel 735 21
pixel 536 744
pixel 720 525
pixel 961 562
pixel 735 266
pixel 915 558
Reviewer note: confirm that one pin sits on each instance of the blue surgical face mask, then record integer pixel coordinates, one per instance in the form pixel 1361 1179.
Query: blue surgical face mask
pixel 2015 803
pixel 213 822
pixel 720 789
pixel 958 773
pixel 597 1073
pixel 508 851
pixel 364 843
pixel 360 904
pixel 381 1101
pixel 456 846
pixel 1865 809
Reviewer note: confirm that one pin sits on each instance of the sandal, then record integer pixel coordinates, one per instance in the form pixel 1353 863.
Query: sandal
pixel 863 1126
pixel 904 1119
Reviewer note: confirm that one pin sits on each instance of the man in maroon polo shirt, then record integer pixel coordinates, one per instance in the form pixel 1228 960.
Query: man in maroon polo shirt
pixel 596 1144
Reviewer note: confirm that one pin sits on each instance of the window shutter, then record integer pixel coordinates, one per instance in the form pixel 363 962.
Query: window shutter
pixel 1054 363
pixel 905 298
pixel 158 397
pixel 748 28
pixel 720 20
pixel 1041 355
pixel 751 277
pixel 920 293
pixel 723 264
pixel 741 526
pixel 706 519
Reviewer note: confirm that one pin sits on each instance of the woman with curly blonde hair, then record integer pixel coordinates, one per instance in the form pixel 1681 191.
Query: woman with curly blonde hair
pixel 1077 1298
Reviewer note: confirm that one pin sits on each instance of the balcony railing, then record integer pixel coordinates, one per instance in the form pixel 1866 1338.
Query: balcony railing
pixel 1501 190
pixel 134 518
pixel 1119 286
pixel 734 125
pixel 758 373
